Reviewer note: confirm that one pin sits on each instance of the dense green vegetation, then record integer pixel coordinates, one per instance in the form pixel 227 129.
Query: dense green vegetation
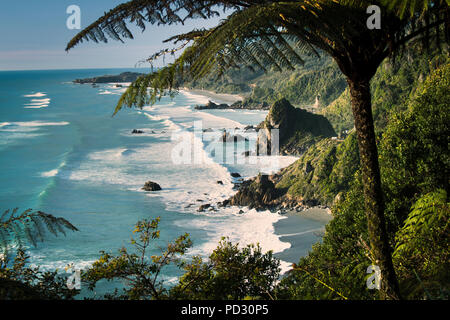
pixel 397 191
pixel 317 77
pixel 18 280
pixel 332 164
pixel 229 273
pixel 415 161
pixel 393 84
pixel 277 35
pixel 323 172
pixel 415 168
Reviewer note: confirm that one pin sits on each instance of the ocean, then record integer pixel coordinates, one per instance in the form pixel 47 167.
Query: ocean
pixel 62 152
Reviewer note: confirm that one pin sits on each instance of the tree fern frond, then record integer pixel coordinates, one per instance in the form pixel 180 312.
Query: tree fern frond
pixel 30 226
pixel 409 8
pixel 264 35
pixel 160 12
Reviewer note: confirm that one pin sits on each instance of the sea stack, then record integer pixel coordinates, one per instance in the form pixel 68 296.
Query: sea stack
pixel 151 186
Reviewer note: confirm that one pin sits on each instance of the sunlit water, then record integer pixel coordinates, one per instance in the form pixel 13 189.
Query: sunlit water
pixel 62 152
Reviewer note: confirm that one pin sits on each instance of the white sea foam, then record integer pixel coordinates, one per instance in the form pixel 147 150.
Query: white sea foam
pixel 37 103
pixel 164 120
pixel 184 184
pixel 108 92
pixel 41 261
pixel 37 95
pixel 152 117
pixel 39 123
pixel 50 173
pixel 28 126
pixel 251 227
pixel 45 100
pixel 13 131
pixel 36 106
pixel 54 172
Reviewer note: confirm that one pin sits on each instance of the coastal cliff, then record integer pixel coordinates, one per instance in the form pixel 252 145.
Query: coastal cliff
pixel 298 129
pixel 313 180
pixel 123 77
pixel 318 178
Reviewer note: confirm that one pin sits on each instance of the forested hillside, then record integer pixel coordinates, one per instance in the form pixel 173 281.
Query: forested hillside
pixel 327 168
pixel 414 163
pixel 318 77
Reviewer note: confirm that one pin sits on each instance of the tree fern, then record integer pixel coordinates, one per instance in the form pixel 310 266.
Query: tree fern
pixel 269 35
pixel 31 226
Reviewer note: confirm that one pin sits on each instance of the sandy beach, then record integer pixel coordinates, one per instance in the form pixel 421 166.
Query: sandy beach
pixel 301 230
pixel 217 97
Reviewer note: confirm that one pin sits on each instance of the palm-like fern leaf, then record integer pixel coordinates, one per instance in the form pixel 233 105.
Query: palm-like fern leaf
pixel 31 226
pixel 138 12
pixel 269 34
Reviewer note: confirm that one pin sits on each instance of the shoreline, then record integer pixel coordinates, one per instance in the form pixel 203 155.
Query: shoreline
pixel 302 230
pixel 227 98
pixel 299 229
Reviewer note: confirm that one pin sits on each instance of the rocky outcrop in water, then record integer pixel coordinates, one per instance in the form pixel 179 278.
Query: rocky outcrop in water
pixel 203 207
pixel 298 129
pixel 151 186
pixel 255 193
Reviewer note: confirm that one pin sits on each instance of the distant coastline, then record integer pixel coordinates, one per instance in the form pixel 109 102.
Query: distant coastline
pixel 217 97
pixel 123 77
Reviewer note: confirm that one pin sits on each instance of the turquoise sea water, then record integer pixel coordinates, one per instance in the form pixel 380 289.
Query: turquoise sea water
pixel 62 152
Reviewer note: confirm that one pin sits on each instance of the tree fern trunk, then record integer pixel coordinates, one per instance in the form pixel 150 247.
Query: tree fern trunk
pixel 374 204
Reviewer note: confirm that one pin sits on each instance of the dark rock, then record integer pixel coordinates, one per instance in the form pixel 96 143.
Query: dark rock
pixel 151 186
pixel 235 175
pixel 308 168
pixel 257 193
pixel 135 131
pixel 311 202
pixel 224 203
pixel 203 207
pixel 247 104
pixel 220 182
pixel 212 105
pixel 298 129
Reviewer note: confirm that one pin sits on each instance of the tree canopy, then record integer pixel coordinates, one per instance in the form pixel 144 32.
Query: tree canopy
pixel 266 34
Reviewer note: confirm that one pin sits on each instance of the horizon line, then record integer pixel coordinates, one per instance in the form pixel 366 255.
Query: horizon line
pixel 67 69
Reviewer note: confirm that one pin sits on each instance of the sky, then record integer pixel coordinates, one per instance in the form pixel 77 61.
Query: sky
pixel 34 34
